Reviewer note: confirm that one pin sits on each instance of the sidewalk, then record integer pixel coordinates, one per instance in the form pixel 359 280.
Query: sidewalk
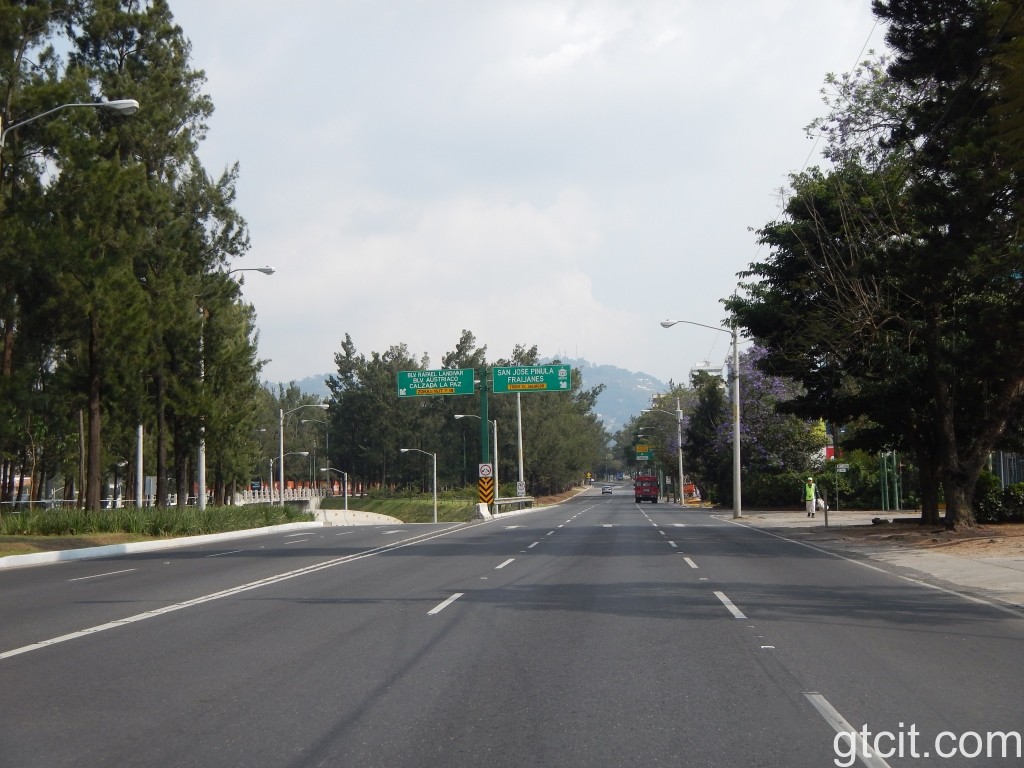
pixel 986 563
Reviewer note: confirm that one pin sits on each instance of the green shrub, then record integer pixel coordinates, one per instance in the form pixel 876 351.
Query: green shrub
pixel 988 501
pixel 1013 503
pixel 149 521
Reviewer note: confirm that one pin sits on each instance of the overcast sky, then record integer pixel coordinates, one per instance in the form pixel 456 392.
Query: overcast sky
pixel 548 172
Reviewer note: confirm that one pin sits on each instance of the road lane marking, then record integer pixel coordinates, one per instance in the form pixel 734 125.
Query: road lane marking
pixel 507 562
pixel 689 562
pixel 839 725
pixel 417 539
pixel 918 582
pixel 533 545
pixel 232 552
pixel 736 612
pixel 549 533
pixel 441 606
pixel 297 541
pixel 673 545
pixel 99 575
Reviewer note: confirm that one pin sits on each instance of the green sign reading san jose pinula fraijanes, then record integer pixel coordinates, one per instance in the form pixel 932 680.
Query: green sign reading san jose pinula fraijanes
pixel 531 378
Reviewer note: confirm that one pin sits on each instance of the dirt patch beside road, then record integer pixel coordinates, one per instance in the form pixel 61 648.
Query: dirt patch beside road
pixel 855 530
pixel 1006 540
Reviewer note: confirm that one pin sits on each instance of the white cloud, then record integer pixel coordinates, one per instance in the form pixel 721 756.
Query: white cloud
pixel 558 173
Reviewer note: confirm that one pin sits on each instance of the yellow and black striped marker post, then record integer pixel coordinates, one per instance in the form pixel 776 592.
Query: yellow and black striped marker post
pixel 486 487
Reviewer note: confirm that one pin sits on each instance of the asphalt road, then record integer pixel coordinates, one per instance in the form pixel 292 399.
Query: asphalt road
pixel 596 633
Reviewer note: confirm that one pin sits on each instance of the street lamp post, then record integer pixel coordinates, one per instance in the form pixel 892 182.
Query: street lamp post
pixel 201 464
pixel 737 507
pixel 327 436
pixel 681 490
pixel 344 479
pixel 121 106
pixel 280 460
pixel 494 423
pixel 280 440
pixel 434 457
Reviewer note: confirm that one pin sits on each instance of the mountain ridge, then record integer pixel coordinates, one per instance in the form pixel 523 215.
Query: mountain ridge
pixel 625 392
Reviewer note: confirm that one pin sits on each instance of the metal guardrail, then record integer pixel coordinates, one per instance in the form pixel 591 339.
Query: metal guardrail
pixel 513 502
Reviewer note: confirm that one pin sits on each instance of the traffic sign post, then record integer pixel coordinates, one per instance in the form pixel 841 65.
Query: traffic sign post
pixel 446 381
pixel 531 378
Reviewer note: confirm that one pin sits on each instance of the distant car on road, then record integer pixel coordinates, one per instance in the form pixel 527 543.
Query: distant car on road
pixel 606 489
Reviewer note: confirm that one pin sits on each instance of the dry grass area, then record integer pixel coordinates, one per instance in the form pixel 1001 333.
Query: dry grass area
pixel 1006 540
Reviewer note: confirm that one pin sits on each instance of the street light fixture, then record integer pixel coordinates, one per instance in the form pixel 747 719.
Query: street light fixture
pixel 327 435
pixel 681 491
pixel 737 507
pixel 345 476
pixel 201 464
pixel 280 440
pixel 494 422
pixel 434 457
pixel 121 106
pixel 264 270
pixel 281 460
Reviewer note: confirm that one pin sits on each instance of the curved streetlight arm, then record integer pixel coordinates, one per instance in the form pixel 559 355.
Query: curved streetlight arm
pixel 122 106
pixel 344 475
pixel 737 485
pixel 434 457
pixel 280 439
pixel 678 416
pixel 264 270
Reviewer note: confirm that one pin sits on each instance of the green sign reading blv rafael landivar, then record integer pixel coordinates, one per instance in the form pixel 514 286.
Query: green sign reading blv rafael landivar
pixel 532 378
pixel 447 381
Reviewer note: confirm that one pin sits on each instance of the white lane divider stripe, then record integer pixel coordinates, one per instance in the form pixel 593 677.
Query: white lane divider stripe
pixel 736 612
pixel 226 593
pixel 673 545
pixel 221 554
pixel 690 562
pixel 839 725
pixel 440 607
pixel 100 575
pixel 533 545
pixel 507 562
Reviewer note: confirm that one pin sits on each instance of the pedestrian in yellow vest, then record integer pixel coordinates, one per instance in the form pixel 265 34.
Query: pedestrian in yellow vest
pixel 810 494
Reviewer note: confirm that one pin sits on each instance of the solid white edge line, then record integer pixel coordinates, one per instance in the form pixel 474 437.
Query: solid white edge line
pixel 440 607
pixel 736 612
pixel 507 562
pixel 919 582
pixel 839 725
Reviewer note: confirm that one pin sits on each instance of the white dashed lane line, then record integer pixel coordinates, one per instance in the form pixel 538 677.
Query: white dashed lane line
pixel 736 612
pixel 441 606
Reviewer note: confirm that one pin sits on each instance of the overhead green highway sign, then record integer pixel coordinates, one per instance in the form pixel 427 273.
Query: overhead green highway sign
pixel 447 381
pixel 532 378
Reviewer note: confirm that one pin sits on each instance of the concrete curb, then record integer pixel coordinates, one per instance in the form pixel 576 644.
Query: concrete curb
pixel 40 558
